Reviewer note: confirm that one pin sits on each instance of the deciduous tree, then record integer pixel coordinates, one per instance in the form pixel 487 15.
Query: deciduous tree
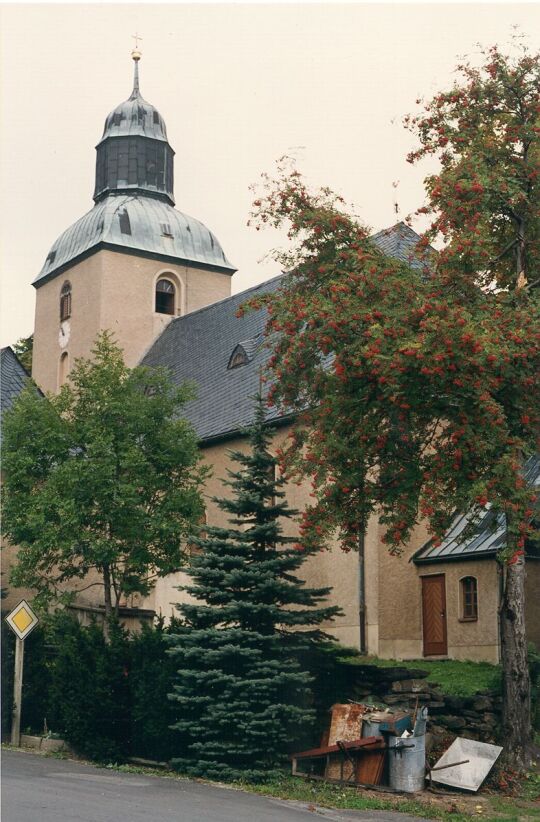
pixel 23 348
pixel 415 386
pixel 101 482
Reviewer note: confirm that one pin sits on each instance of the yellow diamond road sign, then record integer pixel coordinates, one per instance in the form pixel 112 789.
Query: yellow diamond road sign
pixel 22 619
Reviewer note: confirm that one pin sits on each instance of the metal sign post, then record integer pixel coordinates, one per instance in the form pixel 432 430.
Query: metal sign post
pixel 17 692
pixel 22 620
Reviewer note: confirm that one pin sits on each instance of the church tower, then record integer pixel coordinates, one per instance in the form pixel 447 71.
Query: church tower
pixel 133 262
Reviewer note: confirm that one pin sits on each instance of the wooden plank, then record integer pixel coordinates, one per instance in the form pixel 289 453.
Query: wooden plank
pixel 354 745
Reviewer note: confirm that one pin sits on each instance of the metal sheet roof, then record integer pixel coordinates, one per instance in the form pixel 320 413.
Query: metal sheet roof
pixel 154 227
pixel 135 116
pixel 477 533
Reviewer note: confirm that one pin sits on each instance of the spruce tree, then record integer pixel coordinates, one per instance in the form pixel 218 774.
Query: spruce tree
pixel 240 693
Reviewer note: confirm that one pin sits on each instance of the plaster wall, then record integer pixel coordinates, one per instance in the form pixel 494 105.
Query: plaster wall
pixel 329 568
pixel 91 587
pixel 76 334
pixel 205 288
pixel 372 592
pixel 116 292
pixel 479 639
pixel 12 595
pixel 400 611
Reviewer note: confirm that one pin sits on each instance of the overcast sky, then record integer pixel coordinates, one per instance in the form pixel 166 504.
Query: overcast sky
pixel 238 86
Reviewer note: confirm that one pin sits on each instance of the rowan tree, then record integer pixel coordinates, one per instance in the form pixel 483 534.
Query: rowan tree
pixel 102 482
pixel 415 386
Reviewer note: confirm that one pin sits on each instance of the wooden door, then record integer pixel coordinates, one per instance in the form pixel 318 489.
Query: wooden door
pixel 434 615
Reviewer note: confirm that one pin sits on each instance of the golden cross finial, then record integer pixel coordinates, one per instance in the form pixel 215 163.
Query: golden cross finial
pixel 136 37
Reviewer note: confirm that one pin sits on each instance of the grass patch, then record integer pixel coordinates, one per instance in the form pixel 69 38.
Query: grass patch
pixel 345 798
pixel 453 676
pixel 428 806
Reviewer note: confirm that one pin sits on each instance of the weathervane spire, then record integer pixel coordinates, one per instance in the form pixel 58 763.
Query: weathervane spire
pixel 136 55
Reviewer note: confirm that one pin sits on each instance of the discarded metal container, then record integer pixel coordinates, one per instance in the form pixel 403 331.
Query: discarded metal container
pixel 377 722
pixel 407 763
pixel 346 723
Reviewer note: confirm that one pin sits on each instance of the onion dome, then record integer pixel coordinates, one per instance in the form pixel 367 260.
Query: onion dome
pixel 133 153
pixel 133 211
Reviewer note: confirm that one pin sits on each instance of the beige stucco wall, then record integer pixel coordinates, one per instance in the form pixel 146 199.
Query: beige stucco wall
pixel 400 593
pixel 13 595
pixel 477 640
pixel 392 583
pixel 372 572
pixel 400 613
pixel 113 291
pixel 85 279
pixel 329 568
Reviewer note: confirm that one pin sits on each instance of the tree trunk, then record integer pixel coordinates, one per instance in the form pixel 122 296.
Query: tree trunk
pixel 517 730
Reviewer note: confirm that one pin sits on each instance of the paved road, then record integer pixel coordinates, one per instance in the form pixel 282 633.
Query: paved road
pixel 41 789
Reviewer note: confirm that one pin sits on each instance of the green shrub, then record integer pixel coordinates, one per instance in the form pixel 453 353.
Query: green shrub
pixel 88 694
pixel 35 681
pixel 151 674
pixel 534 668
pixel 8 661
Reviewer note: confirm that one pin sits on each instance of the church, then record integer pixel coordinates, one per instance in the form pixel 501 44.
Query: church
pixel 161 282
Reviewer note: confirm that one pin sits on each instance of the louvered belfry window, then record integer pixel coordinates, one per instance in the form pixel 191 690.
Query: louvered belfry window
pixel 165 297
pixel 65 301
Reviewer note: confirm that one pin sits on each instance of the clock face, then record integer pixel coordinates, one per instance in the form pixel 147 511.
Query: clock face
pixel 63 334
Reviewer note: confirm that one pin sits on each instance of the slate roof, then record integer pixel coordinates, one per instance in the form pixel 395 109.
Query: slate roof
pixel 400 241
pixel 489 530
pixel 198 347
pixel 13 378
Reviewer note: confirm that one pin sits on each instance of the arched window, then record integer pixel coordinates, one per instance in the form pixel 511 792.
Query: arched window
pixel 165 297
pixel 469 598
pixel 63 368
pixel 65 301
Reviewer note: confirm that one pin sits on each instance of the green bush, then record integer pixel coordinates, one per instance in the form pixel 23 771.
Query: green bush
pixel 35 681
pixel 109 699
pixel 89 695
pixel 8 660
pixel 151 673
pixel 534 668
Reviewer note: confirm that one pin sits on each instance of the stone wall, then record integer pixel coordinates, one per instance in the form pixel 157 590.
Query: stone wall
pixel 473 717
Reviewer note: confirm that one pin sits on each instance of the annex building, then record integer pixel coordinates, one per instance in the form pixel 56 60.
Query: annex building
pixel 161 282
